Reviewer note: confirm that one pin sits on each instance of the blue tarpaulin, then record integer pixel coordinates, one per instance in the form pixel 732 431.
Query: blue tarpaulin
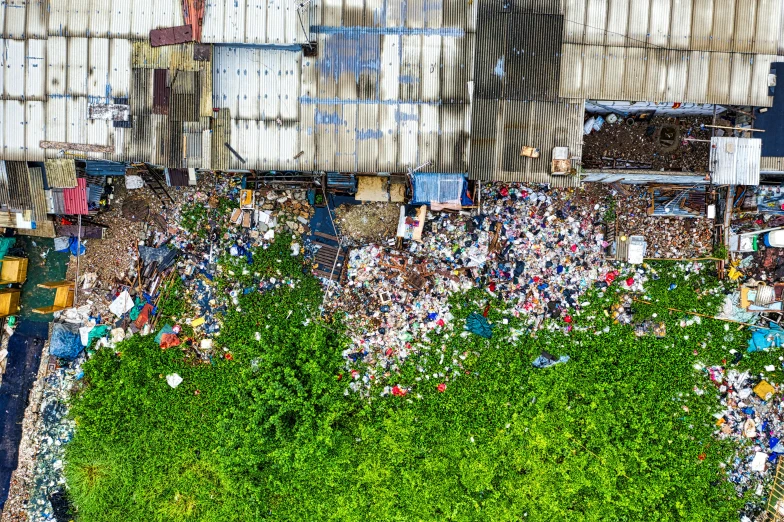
pixel 762 338
pixel 65 341
pixel 432 187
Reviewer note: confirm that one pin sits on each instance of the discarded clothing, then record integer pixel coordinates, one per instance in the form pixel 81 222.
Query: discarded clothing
pixel 546 360
pixel 479 325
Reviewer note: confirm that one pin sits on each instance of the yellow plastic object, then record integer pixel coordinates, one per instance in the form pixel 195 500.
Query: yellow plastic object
pixel 63 298
pixel 197 322
pixel 9 301
pixel 764 390
pixel 13 270
pixel 734 274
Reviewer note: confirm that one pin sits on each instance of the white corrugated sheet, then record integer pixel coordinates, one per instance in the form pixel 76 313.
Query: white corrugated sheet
pixel 660 75
pixel 735 161
pixel 130 19
pixel 373 101
pixel 255 22
pixel 705 25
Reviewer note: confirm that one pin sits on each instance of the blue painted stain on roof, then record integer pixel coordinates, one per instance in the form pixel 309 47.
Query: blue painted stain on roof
pixel 326 118
pixel 452 32
pixel 309 100
pixel 351 53
pixel 369 134
pixel 405 116
pixel 499 67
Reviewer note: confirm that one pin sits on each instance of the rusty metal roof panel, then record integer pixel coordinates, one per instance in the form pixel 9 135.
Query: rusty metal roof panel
pixel 662 75
pixel 60 173
pixel 501 129
pixel 18 186
pixel 171 35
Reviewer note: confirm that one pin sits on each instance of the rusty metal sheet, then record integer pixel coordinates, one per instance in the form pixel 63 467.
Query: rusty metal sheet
pixel 81 147
pixel 60 173
pixel 161 92
pixel 171 35
pixel 109 111
pixel 202 52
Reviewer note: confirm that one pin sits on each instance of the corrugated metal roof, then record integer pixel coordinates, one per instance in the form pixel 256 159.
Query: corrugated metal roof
pixel 75 199
pixel 735 161
pixel 518 54
pixel 37 193
pixel 117 18
pixel 21 19
pixel 60 173
pixel 431 187
pixel 662 75
pixel 767 164
pixel 56 201
pixel 4 195
pixel 704 25
pixel 255 22
pixel 18 186
pixel 373 101
pixel 501 128
pixel 179 57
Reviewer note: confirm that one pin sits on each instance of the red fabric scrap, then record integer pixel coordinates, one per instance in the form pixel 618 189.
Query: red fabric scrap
pixel 169 340
pixel 144 316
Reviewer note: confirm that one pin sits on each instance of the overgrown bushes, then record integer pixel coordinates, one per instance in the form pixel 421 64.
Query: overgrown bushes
pixel 617 433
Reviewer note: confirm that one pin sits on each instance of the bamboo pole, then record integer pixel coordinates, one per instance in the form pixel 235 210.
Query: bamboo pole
pixel 699 314
pixel 735 128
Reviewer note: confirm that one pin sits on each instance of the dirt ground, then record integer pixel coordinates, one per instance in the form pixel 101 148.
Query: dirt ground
pixel 650 145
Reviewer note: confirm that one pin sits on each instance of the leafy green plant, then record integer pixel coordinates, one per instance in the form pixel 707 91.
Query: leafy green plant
pixel 273 433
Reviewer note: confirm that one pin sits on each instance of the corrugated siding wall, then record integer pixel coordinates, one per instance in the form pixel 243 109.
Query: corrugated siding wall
pixel 255 22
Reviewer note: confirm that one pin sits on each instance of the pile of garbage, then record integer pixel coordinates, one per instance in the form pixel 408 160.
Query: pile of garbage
pixel 536 249
pixel 753 419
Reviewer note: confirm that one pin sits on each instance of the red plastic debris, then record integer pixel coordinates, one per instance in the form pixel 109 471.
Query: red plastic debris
pixel 398 391
pixel 573 248
pixel 568 318
pixel 504 191
pixel 630 281
pixel 441 387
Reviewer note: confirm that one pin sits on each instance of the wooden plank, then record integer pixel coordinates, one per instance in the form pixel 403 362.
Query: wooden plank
pixel 82 147
pixel 325 236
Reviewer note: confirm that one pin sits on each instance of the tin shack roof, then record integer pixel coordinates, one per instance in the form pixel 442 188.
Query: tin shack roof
pixel 735 161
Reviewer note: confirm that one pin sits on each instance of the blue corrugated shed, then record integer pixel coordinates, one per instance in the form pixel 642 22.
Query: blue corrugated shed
pixel 103 167
pixel 438 188
pixel 94 193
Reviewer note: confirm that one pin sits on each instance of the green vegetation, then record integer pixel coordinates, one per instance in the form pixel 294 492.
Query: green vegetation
pixel 272 432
